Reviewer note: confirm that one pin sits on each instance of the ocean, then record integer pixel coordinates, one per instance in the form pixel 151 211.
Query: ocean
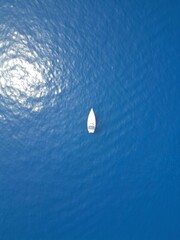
pixel 59 59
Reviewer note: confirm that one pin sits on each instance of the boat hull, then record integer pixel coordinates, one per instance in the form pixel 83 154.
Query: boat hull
pixel 91 122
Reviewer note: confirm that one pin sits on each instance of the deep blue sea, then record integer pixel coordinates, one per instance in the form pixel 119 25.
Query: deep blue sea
pixel 59 58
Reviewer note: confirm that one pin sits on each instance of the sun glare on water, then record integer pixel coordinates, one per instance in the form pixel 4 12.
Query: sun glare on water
pixel 24 76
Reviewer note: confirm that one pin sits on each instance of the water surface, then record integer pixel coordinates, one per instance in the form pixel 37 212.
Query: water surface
pixel 57 60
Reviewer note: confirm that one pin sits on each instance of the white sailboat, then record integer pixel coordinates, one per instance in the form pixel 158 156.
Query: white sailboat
pixel 91 122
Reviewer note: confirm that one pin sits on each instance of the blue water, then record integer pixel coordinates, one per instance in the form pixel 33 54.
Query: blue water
pixel 59 58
